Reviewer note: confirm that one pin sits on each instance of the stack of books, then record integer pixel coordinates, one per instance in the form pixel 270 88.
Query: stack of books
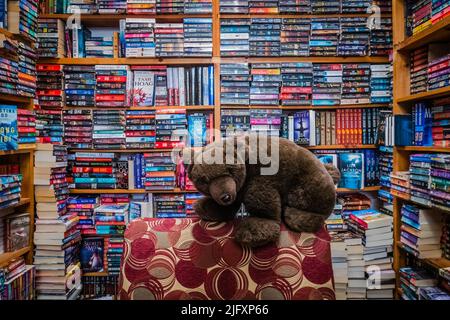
pixel 197 37
pixel 439 10
pixel 234 37
pixel 110 219
pixel 169 206
pixel 433 293
pixel 108 131
pixel 412 280
pixel 114 251
pixel 78 128
pixel 265 37
pixel 421 231
pixel 234 6
pixel 171 125
pixel 111 6
pixel 99 46
pixel 339 261
pixel 189 200
pixel 265 85
pixel 159 171
pixel 26 126
pixel 440 120
pixel 49 127
pixel 169 39
pixel 141 7
pixel 9 85
pixel 50 86
pixel 381 38
pixel 355 6
pixel 196 7
pixel 385 167
pixel 97 170
pixel 294 37
pixel 266 121
pixel 354 37
pixel 79 85
pixel 111 85
pixel 23 18
pixel 355 84
pixel 82 6
pixel 301 6
pixel 56 237
pixel 420 168
pixel 380 83
pixel 235 84
pixel 26 85
pixel 10 184
pixel 440 180
pixel 376 231
pixel 174 6
pixel 327 81
pixel 357 285
pixel 140 130
pixel 400 184
pixel 296 89
pixel 335 222
pixel 438 76
pixel 83 207
pixel 50 38
pixel 420 13
pixel 139 37
pixel 233 121
pixel 263 6
pixel 324 36
pixel 322 7
pixel 17 281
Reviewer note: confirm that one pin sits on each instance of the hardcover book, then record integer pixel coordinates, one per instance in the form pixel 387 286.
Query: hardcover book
pixel 351 166
pixel 8 128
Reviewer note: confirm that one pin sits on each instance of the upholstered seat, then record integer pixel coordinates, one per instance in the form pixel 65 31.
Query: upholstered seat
pixel 194 259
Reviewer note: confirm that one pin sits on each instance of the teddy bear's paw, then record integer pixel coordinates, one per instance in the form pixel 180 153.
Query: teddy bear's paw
pixel 255 232
pixel 209 210
pixel 303 221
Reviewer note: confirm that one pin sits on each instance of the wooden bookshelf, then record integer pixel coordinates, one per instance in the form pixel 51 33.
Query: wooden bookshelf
pixel 403 101
pixel 23 148
pixel 132 191
pixel 189 108
pixel 13 99
pixel 342 147
pixel 297 16
pixel 422 205
pixel 366 189
pixel 306 59
pixel 7 257
pixel 310 107
pixel 129 61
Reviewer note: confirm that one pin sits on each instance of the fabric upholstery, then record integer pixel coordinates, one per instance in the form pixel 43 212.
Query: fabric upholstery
pixel 193 259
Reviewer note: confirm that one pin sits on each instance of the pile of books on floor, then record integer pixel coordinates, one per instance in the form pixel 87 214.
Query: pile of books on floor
pixel 421 231
pixel 108 130
pixel 440 119
pixel 438 76
pixel 140 130
pixel 159 171
pixel 169 206
pixel 139 37
pixel 78 128
pixel 17 281
pixel 50 38
pixel 96 170
pixel 339 260
pixel 83 207
pixel 56 237
pixel 111 219
pixel 377 239
pixel 420 168
pixel 50 86
pixel 439 181
pixel 234 37
pixel 49 126
pixel 265 85
pixel 413 280
pixel 79 85
pixel 26 126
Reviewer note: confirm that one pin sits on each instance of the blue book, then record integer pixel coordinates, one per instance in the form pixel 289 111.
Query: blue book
pixel 8 128
pixel 403 130
pixel 351 166
pixel 302 128
pixel 197 129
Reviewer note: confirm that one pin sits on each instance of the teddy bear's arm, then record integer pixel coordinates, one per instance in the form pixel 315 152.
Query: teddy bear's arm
pixel 207 209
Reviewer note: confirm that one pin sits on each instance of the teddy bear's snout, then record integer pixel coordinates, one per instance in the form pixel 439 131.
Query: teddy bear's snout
pixel 226 198
pixel 223 190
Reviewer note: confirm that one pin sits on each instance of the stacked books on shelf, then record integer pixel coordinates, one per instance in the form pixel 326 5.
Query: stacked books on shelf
pixel 380 83
pixel 422 124
pixel 439 181
pixel 114 251
pixel 234 121
pixel 108 131
pixel 296 83
pixel 288 6
pixel 169 39
pixel 440 120
pixel 169 206
pixel 50 36
pixel 376 231
pixel 56 237
pixel 23 18
pixel 385 167
pixel 197 36
pixel 111 85
pixel 79 85
pixel 49 127
pixel 419 169
pixel 77 128
pixel 324 36
pixel 267 121
pixel 196 7
pixel 171 125
pixel 10 184
pixel 81 6
pixel 354 37
pixel 111 6
pixel 234 37
pixel 381 38
pixel 438 76
pixel 421 231
pixel 50 86
pixel 138 37
pixel 26 86
pixel 140 130
pixel 92 170
pixel 83 207
pixel 265 85
pixel 17 231
pixel 17 281
pixel 420 15
pixel 141 7
pixel 189 201
pixel 265 37
pixel 101 288
pixel 159 171
pixel 110 219
pixel 9 84
pixel 234 6
pixel 235 84
pixel 327 82
pixel 412 280
pixel 400 185
pixel 8 127
pixel 26 126
pixel 294 37
pixel 355 84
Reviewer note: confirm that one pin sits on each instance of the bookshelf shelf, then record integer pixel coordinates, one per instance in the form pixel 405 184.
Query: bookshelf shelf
pixel 438 32
pixel 144 108
pixel 22 202
pixel 309 107
pixel 128 61
pixel 367 189
pixel 303 16
pixel 356 146
pixel 118 191
pixel 424 149
pixel 23 148
pixel 14 99
pixel 6 257
pixel 421 205
pixel 429 95
pixel 307 59
pixel 436 263
pixel 95 274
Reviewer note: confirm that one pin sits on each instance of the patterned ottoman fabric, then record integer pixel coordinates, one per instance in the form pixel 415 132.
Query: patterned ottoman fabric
pixel 192 259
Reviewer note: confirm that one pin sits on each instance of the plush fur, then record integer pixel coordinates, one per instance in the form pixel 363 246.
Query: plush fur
pixel 302 192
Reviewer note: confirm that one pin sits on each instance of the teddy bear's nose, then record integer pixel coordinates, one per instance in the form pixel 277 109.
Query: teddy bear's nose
pixel 226 198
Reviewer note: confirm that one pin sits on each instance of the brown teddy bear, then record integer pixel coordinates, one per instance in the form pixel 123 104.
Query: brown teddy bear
pixel 301 192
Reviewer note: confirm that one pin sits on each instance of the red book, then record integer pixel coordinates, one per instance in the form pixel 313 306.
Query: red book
pixel 109 97
pixel 338 126
pixel 49 92
pixel 168 144
pixel 360 124
pixel 296 90
pixel 49 67
pixel 112 78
